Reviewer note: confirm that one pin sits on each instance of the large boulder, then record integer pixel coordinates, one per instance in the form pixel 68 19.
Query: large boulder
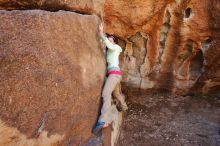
pixel 85 6
pixel 52 69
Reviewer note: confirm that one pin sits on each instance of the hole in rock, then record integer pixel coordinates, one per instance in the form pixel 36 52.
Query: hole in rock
pixel 188 12
pixel 206 44
pixel 196 65
pixel 208 41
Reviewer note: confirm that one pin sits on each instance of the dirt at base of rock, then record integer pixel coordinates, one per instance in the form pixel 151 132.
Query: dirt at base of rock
pixel 168 120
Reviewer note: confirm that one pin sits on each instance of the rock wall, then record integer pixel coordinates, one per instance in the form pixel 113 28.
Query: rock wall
pixel 168 45
pixel 85 6
pixel 52 69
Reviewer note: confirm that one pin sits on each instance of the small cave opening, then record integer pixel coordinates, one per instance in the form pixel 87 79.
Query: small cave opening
pixel 209 40
pixel 196 65
pixel 187 13
pixel 206 44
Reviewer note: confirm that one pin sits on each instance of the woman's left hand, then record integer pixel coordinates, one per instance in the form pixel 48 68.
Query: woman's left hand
pixel 101 28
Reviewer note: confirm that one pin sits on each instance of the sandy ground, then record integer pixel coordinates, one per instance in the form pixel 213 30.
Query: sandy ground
pixel 168 120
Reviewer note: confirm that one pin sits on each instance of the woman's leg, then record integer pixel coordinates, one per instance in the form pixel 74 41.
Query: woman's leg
pixel 117 93
pixel 106 111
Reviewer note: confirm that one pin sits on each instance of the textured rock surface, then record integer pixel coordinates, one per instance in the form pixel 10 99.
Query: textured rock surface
pixel 125 18
pixel 168 45
pixel 85 6
pixel 52 69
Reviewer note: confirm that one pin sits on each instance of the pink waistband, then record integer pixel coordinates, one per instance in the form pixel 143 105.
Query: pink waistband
pixel 116 72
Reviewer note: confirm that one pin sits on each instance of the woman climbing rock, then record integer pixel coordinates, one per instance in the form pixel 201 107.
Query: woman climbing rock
pixel 112 84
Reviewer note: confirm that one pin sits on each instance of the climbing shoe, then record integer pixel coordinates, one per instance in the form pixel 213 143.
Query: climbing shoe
pixel 99 126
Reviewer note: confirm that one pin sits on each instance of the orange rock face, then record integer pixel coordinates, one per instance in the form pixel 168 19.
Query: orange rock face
pixel 125 18
pixel 49 90
pixel 169 45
